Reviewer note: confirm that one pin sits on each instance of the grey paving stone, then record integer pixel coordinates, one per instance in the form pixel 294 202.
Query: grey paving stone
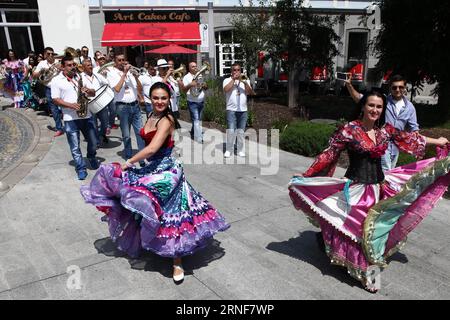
pixel 5 296
pixel 441 293
pixel 22 276
pixel 33 291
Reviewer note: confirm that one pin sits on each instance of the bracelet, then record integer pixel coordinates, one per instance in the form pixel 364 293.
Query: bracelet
pixel 129 164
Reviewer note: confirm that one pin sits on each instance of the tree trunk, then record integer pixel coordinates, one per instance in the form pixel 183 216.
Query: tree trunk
pixel 293 87
pixel 444 101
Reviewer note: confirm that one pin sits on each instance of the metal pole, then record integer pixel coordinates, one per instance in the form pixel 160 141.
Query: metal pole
pixel 211 40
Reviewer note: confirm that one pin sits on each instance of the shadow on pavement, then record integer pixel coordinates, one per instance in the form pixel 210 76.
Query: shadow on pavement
pixel 305 248
pixel 99 159
pixel 149 261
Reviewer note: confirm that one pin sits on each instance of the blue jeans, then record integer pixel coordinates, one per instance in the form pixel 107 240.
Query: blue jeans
pixel 112 112
pixel 196 111
pixel 73 128
pixel 389 161
pixel 103 116
pixel 130 115
pixel 236 123
pixel 56 111
pixel 148 108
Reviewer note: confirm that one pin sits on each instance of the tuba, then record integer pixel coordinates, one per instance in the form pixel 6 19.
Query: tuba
pixel 47 75
pixel 196 91
pixel 104 68
pixel 179 73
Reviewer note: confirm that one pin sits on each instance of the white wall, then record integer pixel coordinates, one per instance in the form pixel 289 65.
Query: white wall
pixel 65 24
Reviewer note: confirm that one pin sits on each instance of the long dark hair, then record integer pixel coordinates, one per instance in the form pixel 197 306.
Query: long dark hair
pixel 14 53
pixel 372 93
pixel 168 111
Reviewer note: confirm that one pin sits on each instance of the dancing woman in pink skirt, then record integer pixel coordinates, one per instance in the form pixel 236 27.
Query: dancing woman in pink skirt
pixel 365 217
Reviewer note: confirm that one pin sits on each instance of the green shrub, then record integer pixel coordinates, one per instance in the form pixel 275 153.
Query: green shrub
pixel 306 138
pixel 182 104
pixel 215 107
pixel 280 124
pixel 405 158
pixel 250 118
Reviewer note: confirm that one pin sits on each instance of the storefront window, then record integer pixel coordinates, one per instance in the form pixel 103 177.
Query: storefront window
pixel 21 16
pixel 19 4
pixel 20 41
pixel 3 44
pixel 38 42
pixel 226 37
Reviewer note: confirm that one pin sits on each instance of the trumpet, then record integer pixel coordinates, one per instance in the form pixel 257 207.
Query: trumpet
pixel 179 73
pixel 243 77
pixel 135 71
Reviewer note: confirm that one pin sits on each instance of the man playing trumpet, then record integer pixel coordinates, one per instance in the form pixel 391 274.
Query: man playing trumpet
pixel 236 89
pixel 165 75
pixel 127 92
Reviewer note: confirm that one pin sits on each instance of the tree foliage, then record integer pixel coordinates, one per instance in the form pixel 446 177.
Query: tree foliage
pixel 414 41
pixel 286 28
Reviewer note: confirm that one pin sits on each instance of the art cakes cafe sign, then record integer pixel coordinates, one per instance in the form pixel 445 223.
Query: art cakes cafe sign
pixel 125 16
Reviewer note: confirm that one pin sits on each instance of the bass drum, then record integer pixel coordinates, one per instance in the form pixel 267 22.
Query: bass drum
pixel 103 96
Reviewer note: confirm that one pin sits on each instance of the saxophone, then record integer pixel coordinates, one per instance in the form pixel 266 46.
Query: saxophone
pixel 82 100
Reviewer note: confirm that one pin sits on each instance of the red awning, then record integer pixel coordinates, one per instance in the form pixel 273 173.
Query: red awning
pixel 133 34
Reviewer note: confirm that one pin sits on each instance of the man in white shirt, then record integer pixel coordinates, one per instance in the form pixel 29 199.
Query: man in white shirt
pixel 127 88
pixel 236 92
pixel 147 81
pixel 94 81
pixel 49 56
pixel 65 91
pixel 165 75
pixel 195 102
pixel 101 60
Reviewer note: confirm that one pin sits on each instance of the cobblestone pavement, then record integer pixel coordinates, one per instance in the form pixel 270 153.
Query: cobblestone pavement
pixel 16 135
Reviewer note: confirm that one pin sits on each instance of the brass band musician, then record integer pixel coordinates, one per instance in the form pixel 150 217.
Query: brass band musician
pixel 45 65
pixel 68 92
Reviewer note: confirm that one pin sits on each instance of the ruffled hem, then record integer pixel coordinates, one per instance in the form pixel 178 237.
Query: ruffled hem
pixel 320 212
pixel 390 221
pixel 131 236
pixel 133 216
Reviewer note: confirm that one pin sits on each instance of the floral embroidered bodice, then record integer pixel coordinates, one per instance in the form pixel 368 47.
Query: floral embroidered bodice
pixel 365 155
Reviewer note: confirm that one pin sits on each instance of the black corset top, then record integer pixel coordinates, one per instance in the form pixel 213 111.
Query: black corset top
pixel 363 168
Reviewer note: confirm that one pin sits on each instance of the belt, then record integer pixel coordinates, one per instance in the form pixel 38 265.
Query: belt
pixel 128 103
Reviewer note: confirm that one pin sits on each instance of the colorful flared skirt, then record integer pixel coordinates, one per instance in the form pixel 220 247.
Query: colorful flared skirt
pixel 153 208
pixel 364 224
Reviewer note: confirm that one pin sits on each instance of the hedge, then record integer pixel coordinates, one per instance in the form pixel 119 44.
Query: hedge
pixel 306 138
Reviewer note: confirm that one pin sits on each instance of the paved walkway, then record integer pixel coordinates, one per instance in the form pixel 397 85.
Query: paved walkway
pixel 269 252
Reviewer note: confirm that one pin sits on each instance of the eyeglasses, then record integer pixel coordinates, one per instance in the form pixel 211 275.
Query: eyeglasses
pixel 397 87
